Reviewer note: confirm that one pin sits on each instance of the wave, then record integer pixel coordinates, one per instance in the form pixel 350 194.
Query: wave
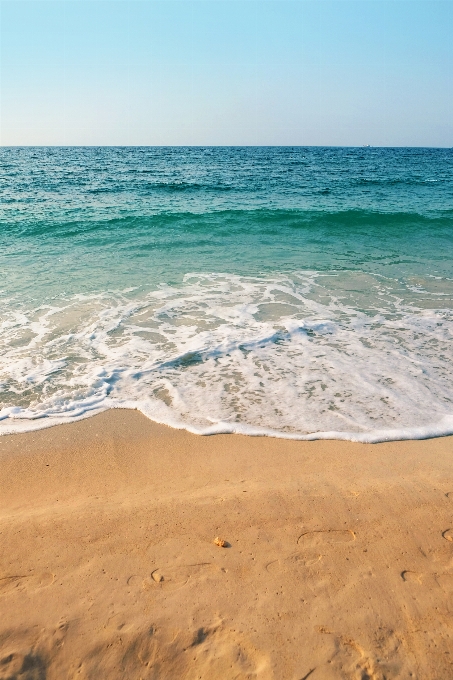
pixel 292 356
pixel 71 223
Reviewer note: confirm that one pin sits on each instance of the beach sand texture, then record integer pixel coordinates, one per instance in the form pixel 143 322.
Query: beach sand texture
pixel 339 561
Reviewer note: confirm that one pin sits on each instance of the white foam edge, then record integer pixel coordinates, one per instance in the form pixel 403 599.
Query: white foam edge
pixel 443 428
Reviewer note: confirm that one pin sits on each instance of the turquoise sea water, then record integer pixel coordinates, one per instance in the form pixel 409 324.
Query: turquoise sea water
pixel 299 292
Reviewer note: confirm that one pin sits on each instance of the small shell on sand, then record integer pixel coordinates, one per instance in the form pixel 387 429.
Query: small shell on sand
pixel 220 542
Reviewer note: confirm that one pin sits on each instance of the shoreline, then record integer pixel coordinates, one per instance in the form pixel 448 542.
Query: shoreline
pixel 233 428
pixel 340 557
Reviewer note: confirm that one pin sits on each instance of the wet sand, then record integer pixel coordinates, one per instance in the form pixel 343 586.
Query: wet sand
pixel 339 561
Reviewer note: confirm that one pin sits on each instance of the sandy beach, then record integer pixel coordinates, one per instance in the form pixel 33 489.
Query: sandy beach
pixel 339 557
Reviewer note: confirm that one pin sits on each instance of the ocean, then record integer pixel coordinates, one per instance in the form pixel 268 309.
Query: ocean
pixel 294 292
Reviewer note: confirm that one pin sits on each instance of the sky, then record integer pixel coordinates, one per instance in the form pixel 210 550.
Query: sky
pixel 226 72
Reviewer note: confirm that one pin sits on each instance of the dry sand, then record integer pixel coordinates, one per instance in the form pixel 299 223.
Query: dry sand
pixel 339 565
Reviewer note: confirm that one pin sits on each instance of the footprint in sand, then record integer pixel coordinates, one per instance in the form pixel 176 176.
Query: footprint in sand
pixel 448 535
pixel 275 566
pixel 117 622
pixel 311 539
pixel 294 561
pixel 173 577
pixel 133 580
pixel 411 576
pixel 20 583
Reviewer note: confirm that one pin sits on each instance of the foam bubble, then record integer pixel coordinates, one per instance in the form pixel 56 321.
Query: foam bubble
pixel 342 355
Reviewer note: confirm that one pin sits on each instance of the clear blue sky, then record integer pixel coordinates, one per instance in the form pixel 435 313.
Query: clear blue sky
pixel 298 72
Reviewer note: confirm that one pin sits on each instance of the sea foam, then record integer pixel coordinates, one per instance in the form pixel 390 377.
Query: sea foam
pixel 307 355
